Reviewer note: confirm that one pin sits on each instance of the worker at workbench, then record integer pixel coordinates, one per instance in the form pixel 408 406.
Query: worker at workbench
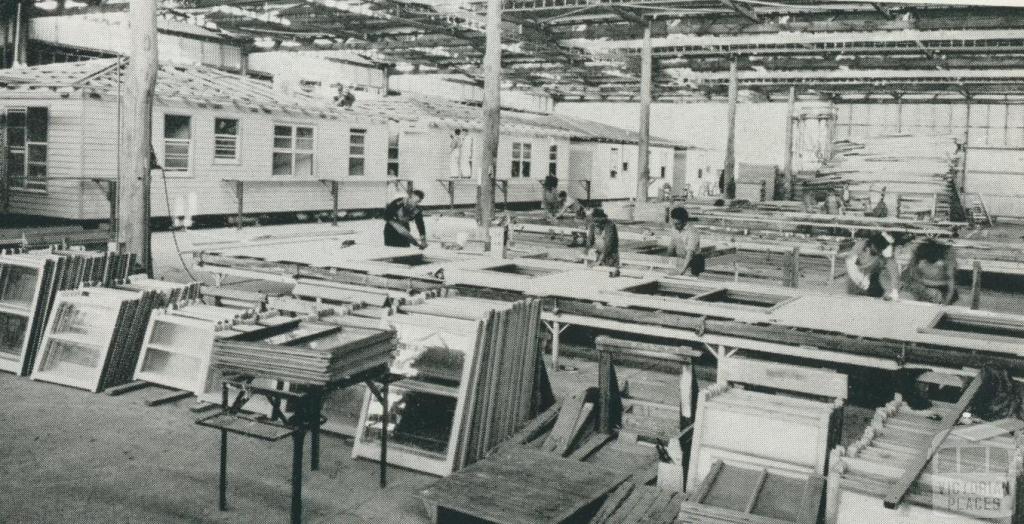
pixel 684 244
pixel 871 269
pixel 603 239
pixel 571 207
pixel 931 274
pixel 549 197
pixel 397 217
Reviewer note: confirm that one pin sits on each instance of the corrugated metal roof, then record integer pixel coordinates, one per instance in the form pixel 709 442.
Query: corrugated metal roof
pixel 191 84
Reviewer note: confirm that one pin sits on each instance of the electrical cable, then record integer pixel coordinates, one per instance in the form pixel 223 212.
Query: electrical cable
pixel 174 234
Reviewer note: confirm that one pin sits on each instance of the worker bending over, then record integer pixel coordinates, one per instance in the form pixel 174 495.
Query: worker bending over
pixel 603 239
pixel 397 217
pixel 931 274
pixel 871 269
pixel 684 244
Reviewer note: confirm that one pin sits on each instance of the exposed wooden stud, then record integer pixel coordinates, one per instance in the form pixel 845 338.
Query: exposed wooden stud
pixel 787 163
pixel 643 160
pixel 730 138
pixel 136 135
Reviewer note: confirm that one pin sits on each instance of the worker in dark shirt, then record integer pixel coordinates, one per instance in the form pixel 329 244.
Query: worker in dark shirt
pixel 397 216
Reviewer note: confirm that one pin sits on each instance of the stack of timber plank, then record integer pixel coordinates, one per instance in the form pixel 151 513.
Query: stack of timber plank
pixel 29 283
pixel 781 433
pixel 633 503
pixel 903 164
pixel 972 477
pixel 315 353
pixel 738 495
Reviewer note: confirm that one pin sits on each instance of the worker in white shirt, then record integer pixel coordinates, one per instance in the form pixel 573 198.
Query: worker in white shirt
pixel 684 244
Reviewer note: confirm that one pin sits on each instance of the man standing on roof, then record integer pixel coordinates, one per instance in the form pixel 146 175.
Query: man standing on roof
pixel 397 217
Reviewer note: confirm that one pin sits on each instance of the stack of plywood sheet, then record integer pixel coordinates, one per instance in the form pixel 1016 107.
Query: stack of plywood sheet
pixel 93 337
pixel 973 476
pixel 29 283
pixel 315 353
pixel 781 433
pixel 472 368
pixel 738 495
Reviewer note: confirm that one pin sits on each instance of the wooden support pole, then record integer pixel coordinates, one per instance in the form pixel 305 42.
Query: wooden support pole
pixel 976 285
pixel 730 137
pixel 136 134
pixel 787 164
pixel 966 147
pixel 20 55
pixel 491 121
pixel 240 195
pixel 334 202
pixel 643 172
pixel 899 114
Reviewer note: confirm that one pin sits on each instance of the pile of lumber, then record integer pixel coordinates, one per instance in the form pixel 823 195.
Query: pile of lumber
pixel 739 495
pixel 971 476
pixel 633 503
pixel 314 353
pixel 29 283
pixel 914 166
pixel 781 433
pixel 94 335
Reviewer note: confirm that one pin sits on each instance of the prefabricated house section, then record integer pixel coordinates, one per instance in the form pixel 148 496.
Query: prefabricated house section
pixel 211 129
pixel 221 138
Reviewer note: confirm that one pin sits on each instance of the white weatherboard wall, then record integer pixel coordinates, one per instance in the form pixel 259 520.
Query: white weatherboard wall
pixel 760 129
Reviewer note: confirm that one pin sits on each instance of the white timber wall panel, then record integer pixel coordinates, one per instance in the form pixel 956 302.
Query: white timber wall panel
pixel 206 177
pixel 62 198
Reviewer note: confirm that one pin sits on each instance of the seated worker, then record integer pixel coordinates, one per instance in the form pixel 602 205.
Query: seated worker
pixel 870 268
pixel 397 216
pixel 684 244
pixel 931 274
pixel 603 238
pixel 880 210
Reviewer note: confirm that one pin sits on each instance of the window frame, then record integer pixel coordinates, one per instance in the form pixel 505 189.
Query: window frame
pixel 293 151
pixel 177 172
pixel 522 159
pixel 237 137
pixel 553 160
pixel 354 157
pixel 614 161
pixel 25 182
pixel 394 145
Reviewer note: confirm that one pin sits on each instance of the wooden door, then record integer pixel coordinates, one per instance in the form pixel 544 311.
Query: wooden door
pixel 679 173
pixel 581 167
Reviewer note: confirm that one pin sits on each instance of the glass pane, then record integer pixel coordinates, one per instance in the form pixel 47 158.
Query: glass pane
pixel 69 358
pixel 304 144
pixel 418 420
pixel 176 155
pixel 16 137
pixel 356 166
pixel 553 153
pixel 304 132
pixel 18 285
pixel 283 131
pixel 515 168
pixel 36 171
pixel 527 151
pixel 37 121
pixel 16 165
pixel 168 364
pixel 357 151
pixel 357 137
pixel 393 154
pixel 553 169
pixel 88 325
pixel 516 150
pixel 393 141
pixel 13 329
pixel 393 169
pixel 225 126
pixel 282 142
pixel 526 169
pixel 282 164
pixel 304 164
pixel 16 118
pixel 177 126
pixel 36 153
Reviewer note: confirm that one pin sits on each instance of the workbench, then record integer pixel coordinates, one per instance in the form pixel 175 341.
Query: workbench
pixel 303 404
